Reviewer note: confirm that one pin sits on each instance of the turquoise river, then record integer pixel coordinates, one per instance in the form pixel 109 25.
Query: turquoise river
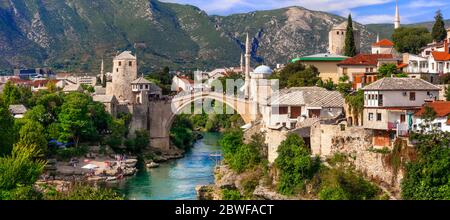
pixel 177 179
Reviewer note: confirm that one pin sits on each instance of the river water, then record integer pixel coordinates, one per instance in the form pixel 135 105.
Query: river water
pixel 177 179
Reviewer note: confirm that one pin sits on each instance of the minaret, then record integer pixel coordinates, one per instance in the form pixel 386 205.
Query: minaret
pixel 378 37
pixel 102 72
pixel 397 16
pixel 247 67
pixel 242 62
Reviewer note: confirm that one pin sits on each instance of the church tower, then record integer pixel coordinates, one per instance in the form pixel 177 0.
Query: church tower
pixel 247 68
pixel 124 72
pixel 397 16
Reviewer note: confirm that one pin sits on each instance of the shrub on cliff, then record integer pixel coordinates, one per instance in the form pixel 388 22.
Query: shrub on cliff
pixel 428 178
pixel 239 156
pixel 295 165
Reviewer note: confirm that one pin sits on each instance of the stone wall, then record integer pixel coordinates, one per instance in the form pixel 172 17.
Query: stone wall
pixel 357 144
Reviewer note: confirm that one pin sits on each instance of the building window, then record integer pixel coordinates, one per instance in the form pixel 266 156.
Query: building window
pixel 283 110
pixel 345 70
pixel 130 63
pixel 432 66
pixel 117 70
pixel 120 63
pixel 338 33
pixel 380 100
pixel 412 96
pixel 370 116
pixel 371 69
pixel 379 118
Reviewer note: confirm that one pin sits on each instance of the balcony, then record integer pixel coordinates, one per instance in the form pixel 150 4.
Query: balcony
pixel 401 128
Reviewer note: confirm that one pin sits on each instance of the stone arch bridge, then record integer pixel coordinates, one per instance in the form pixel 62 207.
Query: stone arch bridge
pixel 163 113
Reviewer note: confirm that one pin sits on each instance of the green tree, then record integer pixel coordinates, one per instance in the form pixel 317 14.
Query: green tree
pixel 7 130
pixel 297 75
pixel 20 168
pixel 74 118
pixel 295 165
pixel 387 70
pixel 427 178
pixel 350 46
pixel 13 94
pixel 32 135
pixel 411 39
pixel 438 32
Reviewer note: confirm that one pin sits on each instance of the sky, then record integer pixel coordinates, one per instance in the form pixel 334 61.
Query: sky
pixel 363 11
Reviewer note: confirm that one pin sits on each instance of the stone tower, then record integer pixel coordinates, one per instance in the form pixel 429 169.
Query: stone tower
pixel 124 72
pixel 336 38
pixel 397 16
pixel 247 67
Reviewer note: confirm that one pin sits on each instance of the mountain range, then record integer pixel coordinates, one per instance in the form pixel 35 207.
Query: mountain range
pixel 75 35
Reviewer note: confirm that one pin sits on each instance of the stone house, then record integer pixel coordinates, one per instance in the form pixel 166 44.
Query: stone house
pixel 288 107
pixel 18 111
pixel 389 106
pixel 110 102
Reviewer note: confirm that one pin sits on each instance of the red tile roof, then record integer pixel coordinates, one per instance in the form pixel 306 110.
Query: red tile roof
pixel 365 59
pixel 441 108
pixel 383 43
pixel 18 81
pixel 402 65
pixel 186 79
pixel 441 56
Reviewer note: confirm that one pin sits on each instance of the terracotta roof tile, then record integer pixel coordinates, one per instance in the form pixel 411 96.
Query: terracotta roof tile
pixel 441 56
pixel 441 108
pixel 383 43
pixel 365 59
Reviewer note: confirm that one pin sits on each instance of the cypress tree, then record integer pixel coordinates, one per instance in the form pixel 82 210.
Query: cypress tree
pixel 439 33
pixel 350 47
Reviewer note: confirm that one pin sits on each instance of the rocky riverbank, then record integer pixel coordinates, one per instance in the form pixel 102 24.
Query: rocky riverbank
pixel 227 179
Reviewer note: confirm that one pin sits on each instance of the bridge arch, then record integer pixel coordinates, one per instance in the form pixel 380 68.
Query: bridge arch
pixel 164 113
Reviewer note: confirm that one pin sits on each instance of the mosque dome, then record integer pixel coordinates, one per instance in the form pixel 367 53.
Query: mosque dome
pixel 263 69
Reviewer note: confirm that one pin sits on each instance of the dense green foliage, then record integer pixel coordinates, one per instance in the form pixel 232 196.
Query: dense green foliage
pixel 181 133
pixel 387 70
pixel 345 184
pixel 7 129
pixel 239 156
pixel 84 192
pixel 230 194
pixel 15 94
pixel 297 75
pixel 162 78
pixel 350 45
pixel 18 172
pixel 356 103
pixel 295 165
pixel 439 33
pixel 428 178
pixel 32 135
pixel 411 39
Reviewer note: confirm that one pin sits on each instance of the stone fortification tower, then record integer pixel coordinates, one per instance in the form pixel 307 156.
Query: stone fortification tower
pixel 124 72
pixel 336 39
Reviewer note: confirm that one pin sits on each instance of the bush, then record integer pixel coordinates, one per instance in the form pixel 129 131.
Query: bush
pixel 67 153
pixel 343 184
pixel 295 165
pixel 85 192
pixel 240 156
pixel 231 194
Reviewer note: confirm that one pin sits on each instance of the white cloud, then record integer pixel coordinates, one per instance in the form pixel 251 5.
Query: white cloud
pixel 375 19
pixel 425 4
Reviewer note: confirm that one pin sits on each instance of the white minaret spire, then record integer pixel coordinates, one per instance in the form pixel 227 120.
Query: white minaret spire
pixel 102 72
pixel 397 16
pixel 378 37
pixel 247 67
pixel 242 62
